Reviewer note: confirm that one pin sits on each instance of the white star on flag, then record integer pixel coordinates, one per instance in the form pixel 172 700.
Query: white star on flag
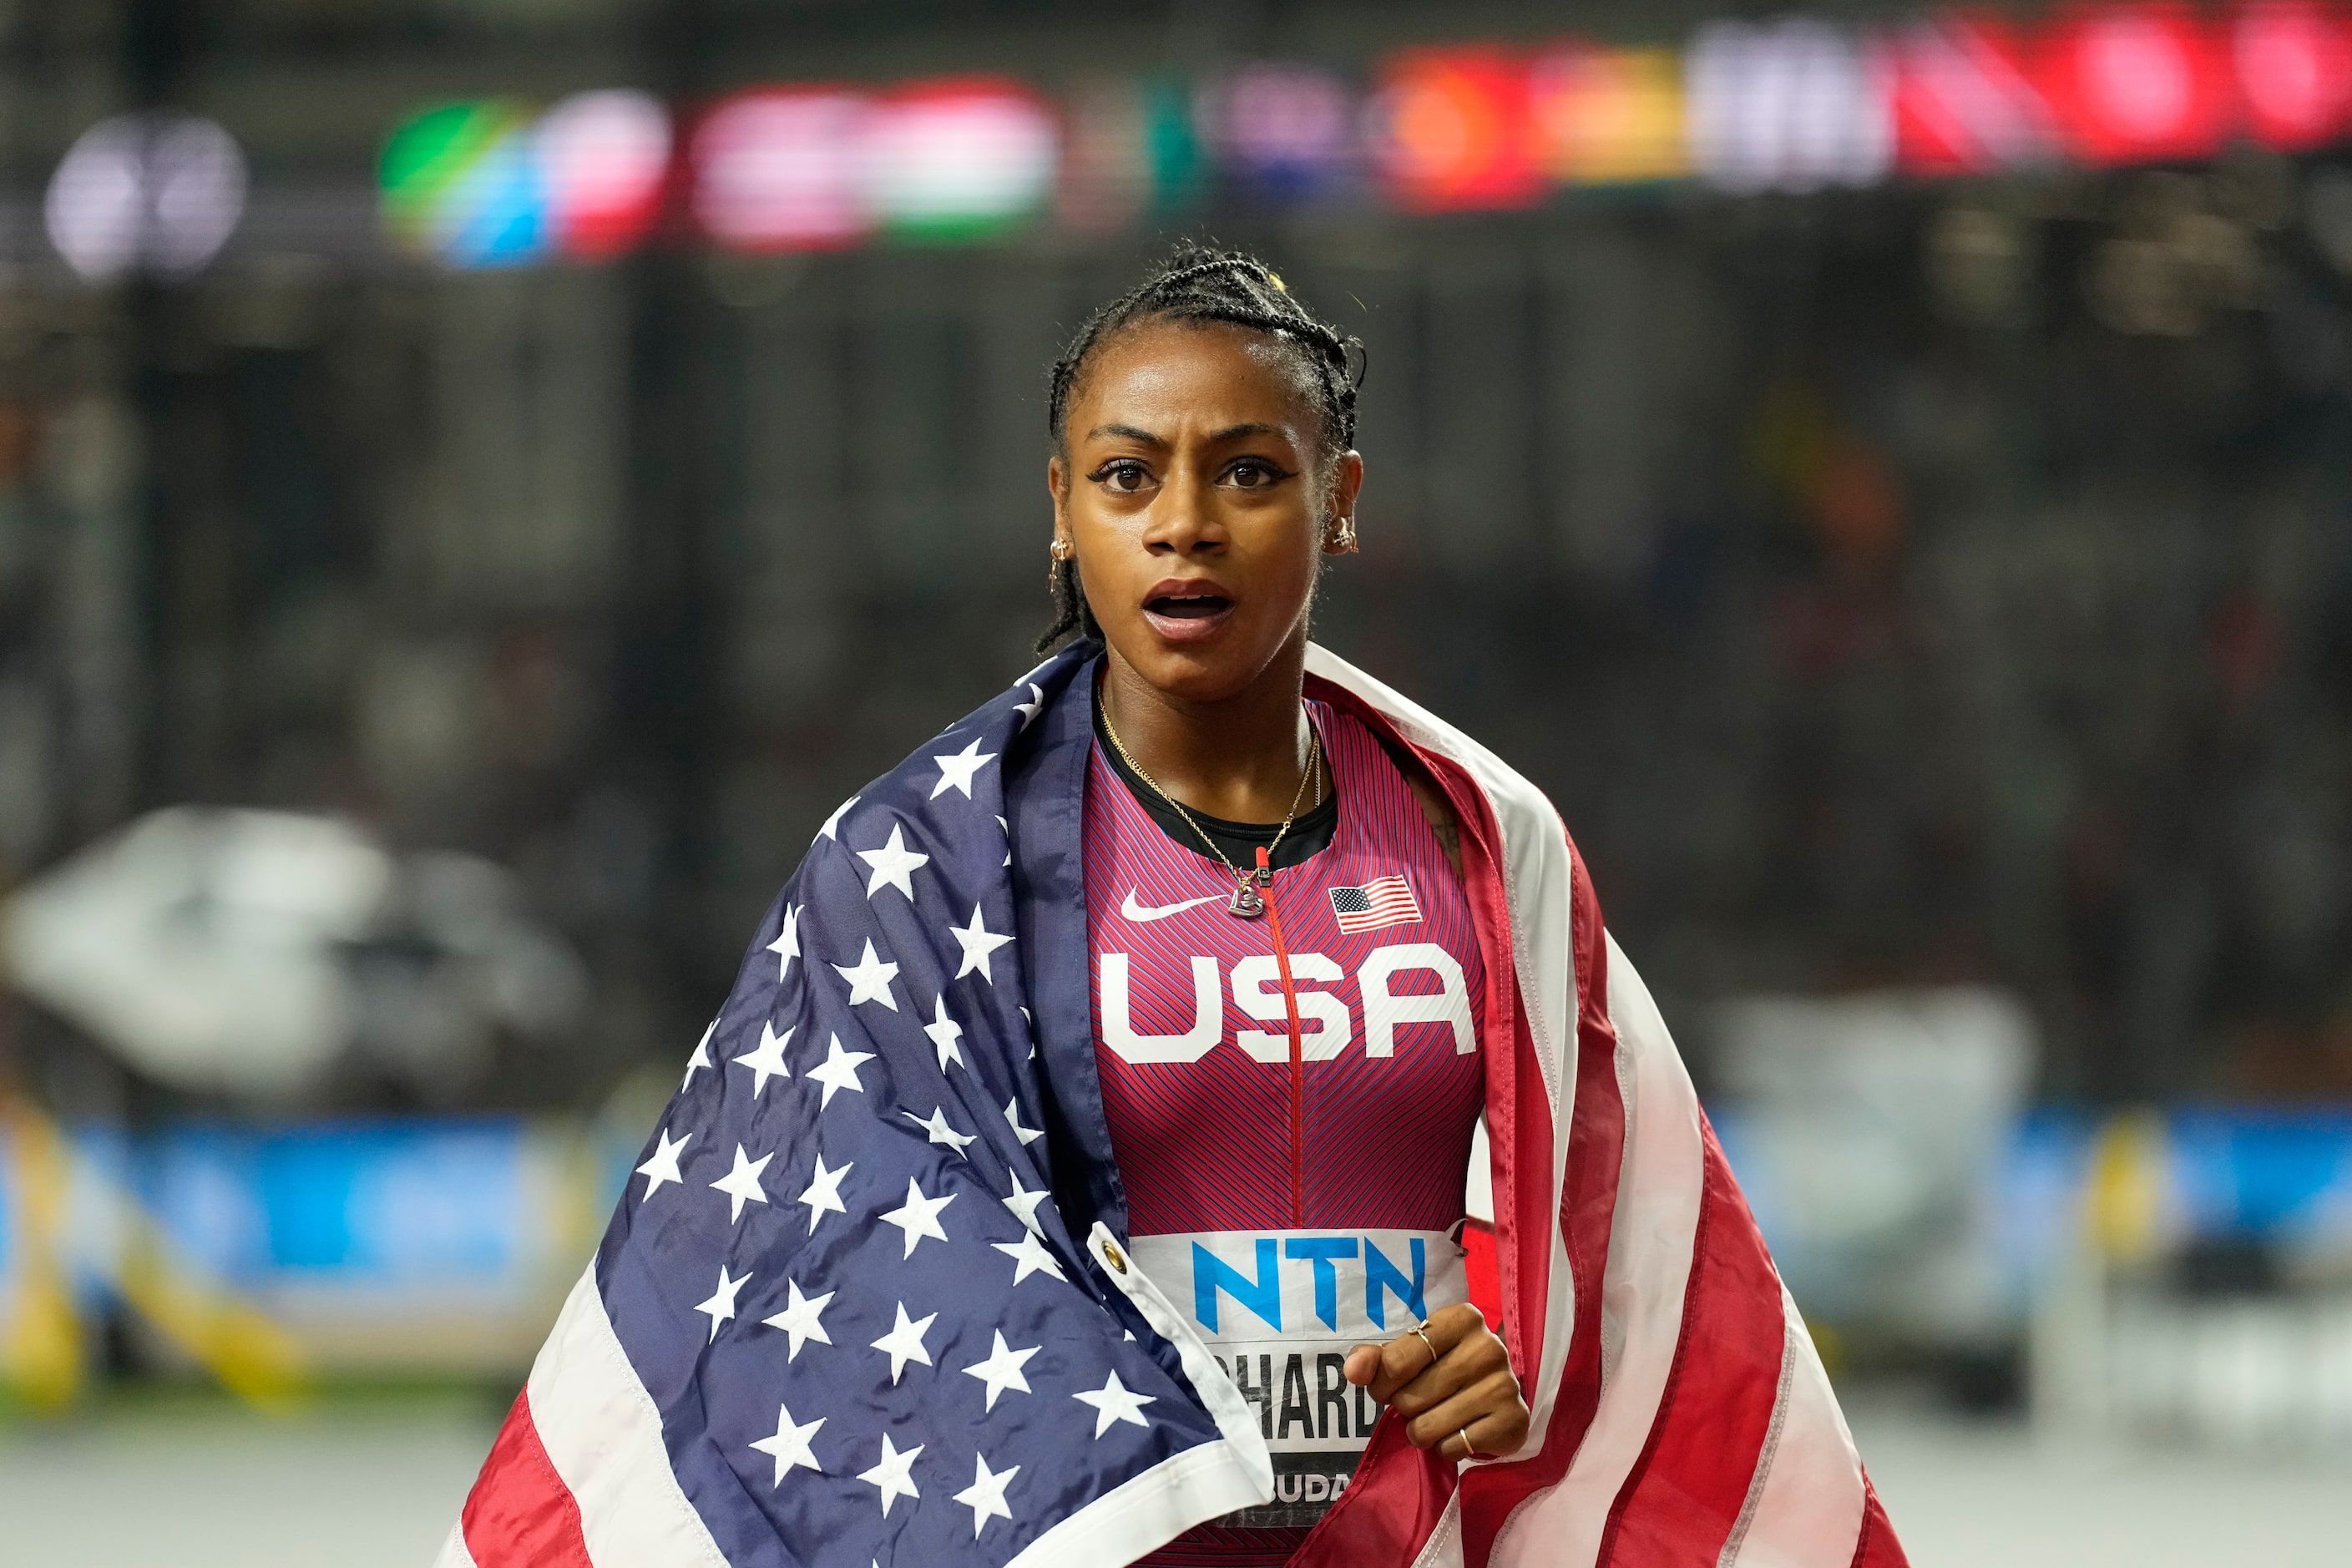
pixel 742 1184
pixel 985 1495
pixel 823 1192
pixel 787 945
pixel 956 771
pixel 701 1056
pixel 904 1343
pixel 721 1304
pixel 918 1216
pixel 1008 839
pixel 789 1446
pixel 799 1319
pixel 869 978
pixel 767 1060
pixel 1002 1370
pixel 977 942
pixel 838 1071
pixel 1113 1404
pixel 892 1474
pixel 1027 1135
pixel 663 1166
pixel 1030 1256
pixel 945 1032
pixel 894 864
pixel 941 1132
pixel 1023 1204
pixel 833 824
pixel 1035 706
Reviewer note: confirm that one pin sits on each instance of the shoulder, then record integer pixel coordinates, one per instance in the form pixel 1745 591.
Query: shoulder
pixel 1427 793
pixel 1440 813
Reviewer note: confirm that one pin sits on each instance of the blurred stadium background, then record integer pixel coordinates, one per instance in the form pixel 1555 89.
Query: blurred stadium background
pixel 480 480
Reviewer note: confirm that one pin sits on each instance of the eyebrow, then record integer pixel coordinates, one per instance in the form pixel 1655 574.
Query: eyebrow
pixel 1130 432
pixel 1230 433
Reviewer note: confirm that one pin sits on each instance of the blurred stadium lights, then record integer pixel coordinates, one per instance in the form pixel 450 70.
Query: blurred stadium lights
pixel 1791 105
pixel 2293 62
pixel 1130 153
pixel 485 184
pixel 1285 133
pixel 1453 129
pixel 607 156
pixel 1605 116
pixel 2138 84
pixel 959 158
pixel 1965 100
pixel 158 192
pixel 777 169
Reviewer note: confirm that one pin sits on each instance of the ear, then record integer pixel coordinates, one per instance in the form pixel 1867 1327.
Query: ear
pixel 1346 484
pixel 1058 487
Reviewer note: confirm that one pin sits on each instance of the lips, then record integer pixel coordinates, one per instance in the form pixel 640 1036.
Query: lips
pixel 1187 609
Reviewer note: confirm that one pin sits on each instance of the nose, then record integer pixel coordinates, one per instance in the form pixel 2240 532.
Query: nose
pixel 1184 521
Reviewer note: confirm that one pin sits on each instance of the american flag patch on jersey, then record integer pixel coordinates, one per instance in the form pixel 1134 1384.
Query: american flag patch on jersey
pixel 1382 901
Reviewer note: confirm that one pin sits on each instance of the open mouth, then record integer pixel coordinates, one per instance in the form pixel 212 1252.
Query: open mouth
pixel 1184 610
pixel 1188 607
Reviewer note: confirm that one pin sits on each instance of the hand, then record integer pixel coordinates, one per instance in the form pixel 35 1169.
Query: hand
pixel 1463 1400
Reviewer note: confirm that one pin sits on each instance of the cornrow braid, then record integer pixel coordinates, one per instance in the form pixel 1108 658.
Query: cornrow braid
pixel 1199 283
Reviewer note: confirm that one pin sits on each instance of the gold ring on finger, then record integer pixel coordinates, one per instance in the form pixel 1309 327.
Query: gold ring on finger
pixel 1468 1450
pixel 1422 1329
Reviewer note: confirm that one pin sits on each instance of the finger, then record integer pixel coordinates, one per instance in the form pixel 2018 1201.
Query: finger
pixel 1492 1401
pixel 1449 1326
pixel 1362 1365
pixel 1402 1359
pixel 1469 1360
pixel 1477 1441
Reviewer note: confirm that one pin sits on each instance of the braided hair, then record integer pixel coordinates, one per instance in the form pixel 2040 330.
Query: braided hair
pixel 1198 283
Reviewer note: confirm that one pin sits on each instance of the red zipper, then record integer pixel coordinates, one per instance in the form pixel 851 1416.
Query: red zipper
pixel 1297 1062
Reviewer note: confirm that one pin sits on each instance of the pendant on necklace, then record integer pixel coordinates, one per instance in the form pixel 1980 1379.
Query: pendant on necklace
pixel 1246 904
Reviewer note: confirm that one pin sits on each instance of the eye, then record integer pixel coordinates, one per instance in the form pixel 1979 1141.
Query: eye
pixel 1123 475
pixel 1254 474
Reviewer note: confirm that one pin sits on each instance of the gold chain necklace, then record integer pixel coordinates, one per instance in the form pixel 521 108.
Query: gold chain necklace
pixel 1246 904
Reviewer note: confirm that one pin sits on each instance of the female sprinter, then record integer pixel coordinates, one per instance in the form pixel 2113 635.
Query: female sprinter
pixel 1081 1158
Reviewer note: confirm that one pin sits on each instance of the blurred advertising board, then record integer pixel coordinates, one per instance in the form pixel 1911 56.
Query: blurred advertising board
pixel 439 1246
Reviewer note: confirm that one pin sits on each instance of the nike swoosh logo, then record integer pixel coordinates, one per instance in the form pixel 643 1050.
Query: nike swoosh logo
pixel 1136 911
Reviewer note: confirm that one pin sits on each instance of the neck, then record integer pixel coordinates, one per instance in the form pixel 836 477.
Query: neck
pixel 1240 757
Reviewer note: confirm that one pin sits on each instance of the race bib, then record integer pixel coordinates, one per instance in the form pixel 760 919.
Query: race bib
pixel 1280 1310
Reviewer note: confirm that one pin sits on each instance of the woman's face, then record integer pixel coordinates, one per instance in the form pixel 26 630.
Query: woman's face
pixel 1195 494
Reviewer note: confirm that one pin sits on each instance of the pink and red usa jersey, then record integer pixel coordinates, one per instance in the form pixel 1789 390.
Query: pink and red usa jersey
pixel 1292 1208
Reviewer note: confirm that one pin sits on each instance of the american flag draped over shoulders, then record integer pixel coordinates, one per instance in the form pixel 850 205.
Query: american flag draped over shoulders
pixel 865 1299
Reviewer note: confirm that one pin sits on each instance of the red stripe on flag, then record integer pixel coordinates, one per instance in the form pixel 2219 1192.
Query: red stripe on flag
pixel 1588 1204
pixel 519 1513
pixel 1877 1548
pixel 1683 1494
